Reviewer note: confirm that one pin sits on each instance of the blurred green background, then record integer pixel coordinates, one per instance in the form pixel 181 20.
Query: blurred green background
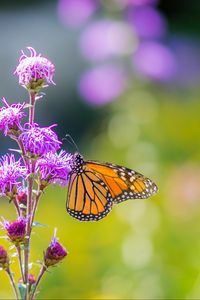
pixel 144 249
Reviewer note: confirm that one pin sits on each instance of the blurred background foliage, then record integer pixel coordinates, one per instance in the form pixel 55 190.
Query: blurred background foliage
pixel 127 90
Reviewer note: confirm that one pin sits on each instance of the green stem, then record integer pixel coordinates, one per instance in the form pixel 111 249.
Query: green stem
pixel 16 206
pixel 30 181
pixel 20 262
pixel 12 283
pixel 35 204
pixel 42 271
pixel 32 97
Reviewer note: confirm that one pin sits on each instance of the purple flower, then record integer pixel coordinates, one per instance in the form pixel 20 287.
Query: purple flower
pixel 186 51
pixel 54 168
pixel 107 38
pixel 16 230
pixel 10 173
pixel 4 260
pixel 39 141
pixel 76 12
pixel 54 253
pixel 22 200
pixel 34 71
pixel 31 279
pixel 155 61
pixel 10 117
pixel 103 84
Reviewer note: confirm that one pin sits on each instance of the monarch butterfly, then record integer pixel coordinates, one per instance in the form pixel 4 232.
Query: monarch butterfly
pixel 94 187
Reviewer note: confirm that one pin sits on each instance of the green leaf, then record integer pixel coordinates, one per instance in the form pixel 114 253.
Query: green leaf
pixel 37 224
pixel 22 290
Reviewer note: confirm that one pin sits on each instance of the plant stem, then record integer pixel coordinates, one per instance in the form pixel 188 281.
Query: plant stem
pixel 42 271
pixel 30 181
pixel 39 193
pixel 21 147
pixel 16 206
pixel 29 205
pixel 32 97
pixel 20 262
pixel 12 283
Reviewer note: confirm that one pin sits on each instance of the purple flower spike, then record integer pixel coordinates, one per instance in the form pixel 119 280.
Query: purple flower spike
pixel 10 117
pixel 54 168
pixel 4 260
pixel 16 230
pixel 39 141
pixel 34 71
pixel 10 173
pixel 54 253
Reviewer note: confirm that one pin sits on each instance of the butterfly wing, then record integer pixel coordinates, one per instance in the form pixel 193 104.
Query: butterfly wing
pixel 88 196
pixel 123 183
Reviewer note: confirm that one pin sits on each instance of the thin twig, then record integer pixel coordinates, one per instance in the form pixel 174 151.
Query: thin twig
pixel 28 228
pixel 12 283
pixel 42 271
pixel 32 97
pixel 20 263
pixel 35 204
pixel 16 206
pixel 21 147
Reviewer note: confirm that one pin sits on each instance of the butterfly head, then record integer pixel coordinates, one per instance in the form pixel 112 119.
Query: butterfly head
pixel 77 163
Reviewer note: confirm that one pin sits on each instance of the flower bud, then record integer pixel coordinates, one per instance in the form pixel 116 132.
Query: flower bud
pixel 31 279
pixel 16 230
pixel 4 260
pixel 54 253
pixel 22 201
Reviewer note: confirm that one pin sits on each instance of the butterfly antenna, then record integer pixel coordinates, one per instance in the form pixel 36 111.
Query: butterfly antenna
pixel 71 141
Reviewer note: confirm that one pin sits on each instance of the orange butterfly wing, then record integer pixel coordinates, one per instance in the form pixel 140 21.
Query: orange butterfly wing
pixel 88 196
pixel 94 190
pixel 123 183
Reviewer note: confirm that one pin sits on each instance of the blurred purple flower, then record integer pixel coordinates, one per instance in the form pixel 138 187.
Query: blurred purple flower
pixel 155 61
pixel 35 70
pixel 54 253
pixel 55 168
pixel 142 2
pixel 10 173
pixel 76 12
pixel 186 52
pixel 4 260
pixel 107 38
pixel 147 22
pixel 39 141
pixel 10 117
pixel 16 230
pixel 31 280
pixel 103 84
